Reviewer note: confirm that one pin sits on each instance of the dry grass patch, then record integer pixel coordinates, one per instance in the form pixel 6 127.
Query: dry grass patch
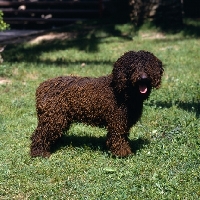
pixel 52 36
pixel 4 81
pixel 153 35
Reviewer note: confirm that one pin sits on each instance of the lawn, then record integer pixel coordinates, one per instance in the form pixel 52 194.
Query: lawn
pixel 166 141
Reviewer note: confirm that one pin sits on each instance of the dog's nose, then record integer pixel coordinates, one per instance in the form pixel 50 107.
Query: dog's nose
pixel 143 76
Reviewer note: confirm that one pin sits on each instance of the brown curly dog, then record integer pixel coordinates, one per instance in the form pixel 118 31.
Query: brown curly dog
pixel 114 101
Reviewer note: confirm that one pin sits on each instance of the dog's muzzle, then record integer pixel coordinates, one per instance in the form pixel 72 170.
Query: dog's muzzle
pixel 143 83
pixel 143 89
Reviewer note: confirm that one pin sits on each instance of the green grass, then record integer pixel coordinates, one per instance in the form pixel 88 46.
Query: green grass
pixel 166 140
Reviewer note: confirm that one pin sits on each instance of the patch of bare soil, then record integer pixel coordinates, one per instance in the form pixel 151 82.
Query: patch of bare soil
pixel 40 37
pixel 52 36
pixel 4 81
pixel 152 36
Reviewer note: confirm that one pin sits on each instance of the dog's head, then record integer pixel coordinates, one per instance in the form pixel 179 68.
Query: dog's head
pixel 141 69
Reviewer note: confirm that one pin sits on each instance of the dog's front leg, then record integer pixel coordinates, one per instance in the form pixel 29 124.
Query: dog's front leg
pixel 117 138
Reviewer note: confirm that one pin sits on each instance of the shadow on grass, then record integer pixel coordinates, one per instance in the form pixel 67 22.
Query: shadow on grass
pixel 188 106
pixel 94 143
pixel 192 30
pixel 189 27
pixel 84 37
pixel 87 37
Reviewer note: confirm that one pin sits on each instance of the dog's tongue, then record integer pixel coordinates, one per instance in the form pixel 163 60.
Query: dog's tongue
pixel 143 89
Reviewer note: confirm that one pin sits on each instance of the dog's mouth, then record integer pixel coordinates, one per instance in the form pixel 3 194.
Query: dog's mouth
pixel 143 88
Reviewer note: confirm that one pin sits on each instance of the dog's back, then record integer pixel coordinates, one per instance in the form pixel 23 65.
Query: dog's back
pixel 84 99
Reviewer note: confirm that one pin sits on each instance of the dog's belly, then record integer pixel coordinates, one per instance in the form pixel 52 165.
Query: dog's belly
pixel 91 113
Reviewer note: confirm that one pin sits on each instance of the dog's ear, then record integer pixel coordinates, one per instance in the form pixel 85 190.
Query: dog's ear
pixel 119 77
pixel 156 82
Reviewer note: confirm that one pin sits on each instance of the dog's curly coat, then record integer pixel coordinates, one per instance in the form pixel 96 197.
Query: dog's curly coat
pixel 114 101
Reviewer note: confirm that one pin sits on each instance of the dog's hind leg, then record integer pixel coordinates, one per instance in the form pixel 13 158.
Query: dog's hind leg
pixel 49 129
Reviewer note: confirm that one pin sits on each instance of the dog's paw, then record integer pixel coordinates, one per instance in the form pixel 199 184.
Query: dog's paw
pixel 119 149
pixel 123 151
